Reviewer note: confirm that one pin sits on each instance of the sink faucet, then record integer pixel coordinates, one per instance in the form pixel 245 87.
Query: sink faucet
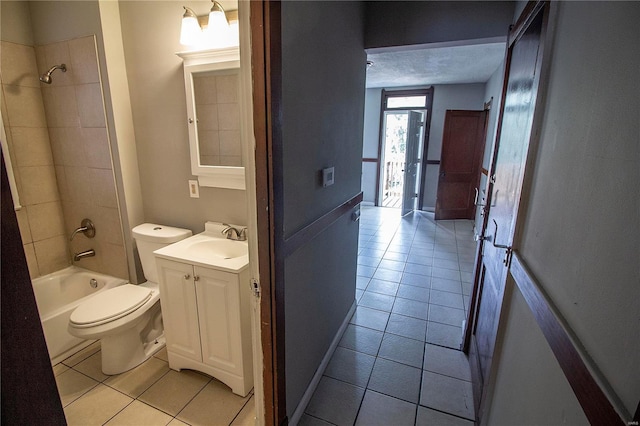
pixel 82 254
pixel 235 233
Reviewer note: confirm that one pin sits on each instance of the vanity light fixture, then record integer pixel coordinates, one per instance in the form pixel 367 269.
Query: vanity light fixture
pixel 199 32
pixel 191 33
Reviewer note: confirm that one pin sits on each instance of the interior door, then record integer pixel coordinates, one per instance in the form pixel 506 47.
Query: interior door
pixel 412 159
pixel 462 149
pixel 504 194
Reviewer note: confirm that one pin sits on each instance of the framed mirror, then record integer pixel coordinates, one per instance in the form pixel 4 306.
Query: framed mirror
pixel 213 116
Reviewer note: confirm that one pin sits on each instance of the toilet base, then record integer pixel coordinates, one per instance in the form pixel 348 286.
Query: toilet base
pixel 125 351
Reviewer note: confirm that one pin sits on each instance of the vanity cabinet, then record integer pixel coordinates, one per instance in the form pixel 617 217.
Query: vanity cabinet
pixel 206 315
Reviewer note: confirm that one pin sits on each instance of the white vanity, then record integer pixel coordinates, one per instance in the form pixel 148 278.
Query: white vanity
pixel 206 301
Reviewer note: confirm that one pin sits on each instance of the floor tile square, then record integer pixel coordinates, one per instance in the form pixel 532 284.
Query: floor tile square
pixel 384 410
pixel 387 275
pixel 446 315
pixel 138 413
pixel 372 252
pixel 447 264
pixel 419 294
pixel 411 308
pixel 174 390
pixel 448 362
pixel 378 301
pixel 394 255
pixel 361 339
pixel 420 260
pixel 96 407
pixel 383 287
pixel 416 280
pixel 447 394
pixel 350 366
pixel 429 417
pixel 401 349
pixel 410 327
pixel 442 284
pixel 445 298
pixel 134 382
pixel 368 261
pixel 365 271
pixel 399 248
pixel 445 252
pixel 335 401
pixel 215 404
pixel 370 318
pixel 307 420
pixel 362 282
pixel 444 335
pixel 414 268
pixel 393 265
pixel 92 367
pixel 247 416
pixel 444 273
pixel 397 380
pixel 72 385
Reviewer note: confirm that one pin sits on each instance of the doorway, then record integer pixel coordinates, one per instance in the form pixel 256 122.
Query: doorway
pixel 403 143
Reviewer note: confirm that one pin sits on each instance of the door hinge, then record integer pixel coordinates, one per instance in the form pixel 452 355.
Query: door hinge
pixel 255 287
pixel 507 257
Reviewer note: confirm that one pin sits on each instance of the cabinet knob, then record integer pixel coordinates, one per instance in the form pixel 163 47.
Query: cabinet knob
pixel 186 277
pixel 196 278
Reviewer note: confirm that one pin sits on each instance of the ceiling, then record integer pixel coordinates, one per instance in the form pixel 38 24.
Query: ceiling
pixel 434 65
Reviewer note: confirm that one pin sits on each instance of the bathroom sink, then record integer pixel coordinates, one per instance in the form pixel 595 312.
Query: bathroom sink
pixel 225 249
pixel 209 249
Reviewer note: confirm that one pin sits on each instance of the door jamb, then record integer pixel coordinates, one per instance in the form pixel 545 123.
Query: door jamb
pixel 428 92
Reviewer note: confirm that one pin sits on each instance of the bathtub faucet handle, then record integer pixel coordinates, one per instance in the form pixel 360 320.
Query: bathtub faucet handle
pixel 86 227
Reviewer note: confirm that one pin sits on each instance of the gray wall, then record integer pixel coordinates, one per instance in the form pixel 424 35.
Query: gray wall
pixel 580 232
pixel 323 74
pixel 151 38
pixel 399 23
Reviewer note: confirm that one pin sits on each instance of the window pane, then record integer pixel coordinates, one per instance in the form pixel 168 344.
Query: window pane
pixel 407 102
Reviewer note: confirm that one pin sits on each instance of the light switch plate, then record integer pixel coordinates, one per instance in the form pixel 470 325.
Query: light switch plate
pixel 328 176
pixel 194 189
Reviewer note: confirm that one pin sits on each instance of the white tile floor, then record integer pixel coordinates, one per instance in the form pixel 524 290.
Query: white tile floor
pixel 150 394
pixel 398 362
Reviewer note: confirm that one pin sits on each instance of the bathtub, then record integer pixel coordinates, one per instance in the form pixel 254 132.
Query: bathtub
pixel 57 295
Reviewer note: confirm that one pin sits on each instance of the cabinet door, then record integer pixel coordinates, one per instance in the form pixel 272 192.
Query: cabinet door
pixel 219 314
pixel 179 308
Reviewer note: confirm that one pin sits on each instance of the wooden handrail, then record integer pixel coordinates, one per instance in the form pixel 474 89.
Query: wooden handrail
pixel 598 400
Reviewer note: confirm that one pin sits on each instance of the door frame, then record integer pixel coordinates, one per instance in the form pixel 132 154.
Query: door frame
pixel 428 92
pixel 528 15
pixel 267 100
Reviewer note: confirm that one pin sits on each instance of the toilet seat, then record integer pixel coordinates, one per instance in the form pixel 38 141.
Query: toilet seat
pixel 110 305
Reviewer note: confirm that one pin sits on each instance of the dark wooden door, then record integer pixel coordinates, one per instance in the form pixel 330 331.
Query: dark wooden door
pixel 460 162
pixel 504 195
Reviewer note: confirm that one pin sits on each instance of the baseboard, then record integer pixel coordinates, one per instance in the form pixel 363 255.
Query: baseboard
pixel 306 397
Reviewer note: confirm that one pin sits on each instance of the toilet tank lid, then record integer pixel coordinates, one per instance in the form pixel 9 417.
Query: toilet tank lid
pixel 160 233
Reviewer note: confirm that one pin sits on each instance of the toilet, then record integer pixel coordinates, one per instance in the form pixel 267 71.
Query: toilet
pixel 127 319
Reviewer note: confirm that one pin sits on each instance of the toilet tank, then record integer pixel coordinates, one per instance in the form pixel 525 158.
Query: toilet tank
pixel 150 237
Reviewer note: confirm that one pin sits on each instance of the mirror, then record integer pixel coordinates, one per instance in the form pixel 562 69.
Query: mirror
pixel 213 116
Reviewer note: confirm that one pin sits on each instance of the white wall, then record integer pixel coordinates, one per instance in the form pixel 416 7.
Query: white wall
pixel 581 230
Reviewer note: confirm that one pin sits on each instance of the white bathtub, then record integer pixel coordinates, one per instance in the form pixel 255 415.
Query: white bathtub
pixel 57 295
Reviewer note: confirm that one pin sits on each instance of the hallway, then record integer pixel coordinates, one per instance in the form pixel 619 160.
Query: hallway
pixel 398 361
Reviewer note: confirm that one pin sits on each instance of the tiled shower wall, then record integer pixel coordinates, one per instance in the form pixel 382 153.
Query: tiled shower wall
pixel 77 177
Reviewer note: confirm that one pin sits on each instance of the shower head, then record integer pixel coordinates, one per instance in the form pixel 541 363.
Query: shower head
pixel 46 77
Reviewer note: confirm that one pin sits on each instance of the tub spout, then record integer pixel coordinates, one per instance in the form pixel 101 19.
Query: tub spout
pixel 83 254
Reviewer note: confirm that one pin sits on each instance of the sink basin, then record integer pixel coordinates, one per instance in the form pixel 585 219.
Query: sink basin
pixel 209 249
pixel 224 249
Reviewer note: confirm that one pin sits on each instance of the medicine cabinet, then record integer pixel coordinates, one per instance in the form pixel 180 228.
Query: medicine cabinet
pixel 212 86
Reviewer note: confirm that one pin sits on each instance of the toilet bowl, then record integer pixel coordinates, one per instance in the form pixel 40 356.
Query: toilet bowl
pixel 127 319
